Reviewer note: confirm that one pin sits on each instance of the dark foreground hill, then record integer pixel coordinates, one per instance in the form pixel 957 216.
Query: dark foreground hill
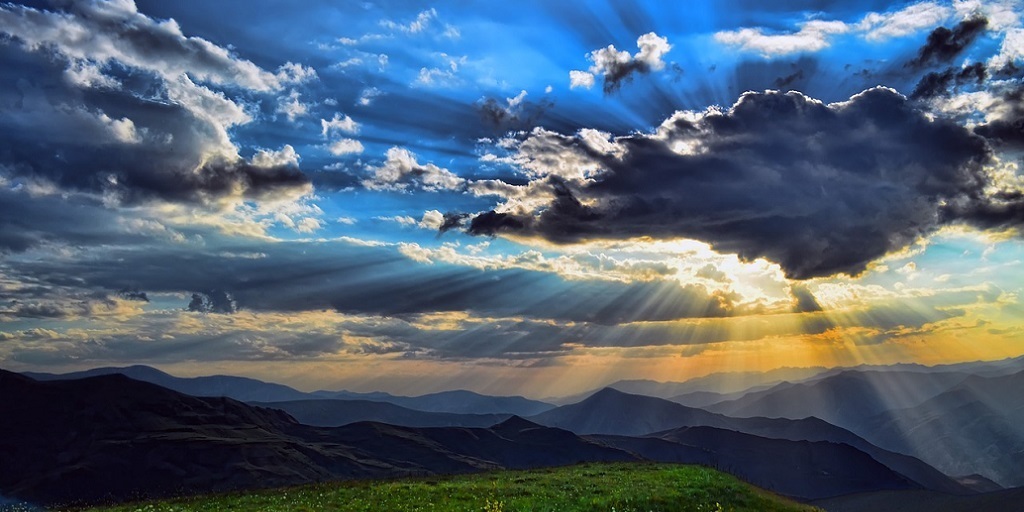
pixel 114 438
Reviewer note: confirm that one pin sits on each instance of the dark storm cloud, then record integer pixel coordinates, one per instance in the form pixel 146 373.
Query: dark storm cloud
pixel 944 44
pixel 819 189
pixel 213 301
pixel 938 83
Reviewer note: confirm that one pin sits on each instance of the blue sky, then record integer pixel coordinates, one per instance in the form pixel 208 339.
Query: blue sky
pixel 534 197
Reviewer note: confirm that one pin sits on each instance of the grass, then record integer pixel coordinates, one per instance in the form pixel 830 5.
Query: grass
pixel 626 487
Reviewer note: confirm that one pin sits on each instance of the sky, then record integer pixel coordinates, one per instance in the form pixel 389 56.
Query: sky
pixel 531 197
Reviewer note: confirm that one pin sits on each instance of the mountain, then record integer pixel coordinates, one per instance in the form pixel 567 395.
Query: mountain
pixel 612 412
pixel 112 438
pixel 724 382
pixel 252 390
pixel 240 388
pixel 335 413
pixel 802 469
pixel 975 427
pixel 456 402
pixel 843 399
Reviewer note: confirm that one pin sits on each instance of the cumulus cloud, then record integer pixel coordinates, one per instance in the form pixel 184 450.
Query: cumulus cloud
pixel 616 67
pixel 163 135
pixel 906 21
pixel 818 188
pixel 338 123
pixel 400 170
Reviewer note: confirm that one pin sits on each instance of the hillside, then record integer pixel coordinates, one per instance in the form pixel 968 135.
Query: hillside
pixel 337 412
pixel 619 487
pixel 159 442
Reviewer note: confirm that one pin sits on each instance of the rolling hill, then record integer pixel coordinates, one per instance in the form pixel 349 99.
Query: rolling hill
pixel 338 412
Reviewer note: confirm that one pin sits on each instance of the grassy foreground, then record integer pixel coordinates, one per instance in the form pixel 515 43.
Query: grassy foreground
pixel 589 487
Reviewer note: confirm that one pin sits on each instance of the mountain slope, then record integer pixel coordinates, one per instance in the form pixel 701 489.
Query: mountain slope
pixel 252 390
pixel 612 412
pixel 335 413
pixel 803 469
pixel 110 438
pixel 844 399
pixel 976 427
pixel 239 388
pixel 456 402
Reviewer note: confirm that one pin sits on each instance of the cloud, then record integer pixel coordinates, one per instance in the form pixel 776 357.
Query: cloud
pixel 943 44
pixel 213 301
pixel 400 170
pixel 104 32
pixel 367 96
pixel 617 67
pixel 338 123
pixel 819 189
pixel 513 113
pixel 580 79
pixel 938 83
pixel 345 147
pixel 909 20
pixel 816 34
pixel 159 135
pixel 813 36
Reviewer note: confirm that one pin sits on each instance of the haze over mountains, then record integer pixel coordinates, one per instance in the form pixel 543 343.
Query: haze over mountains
pixel 952 430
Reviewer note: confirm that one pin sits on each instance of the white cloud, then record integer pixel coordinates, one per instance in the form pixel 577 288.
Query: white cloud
pixel 104 32
pixel 348 221
pixel 813 36
pixel 401 169
pixel 345 147
pixel 580 79
pixel 307 225
pixel 652 49
pixel 415 26
pixel 284 156
pixel 1011 50
pixel 368 95
pixel 906 21
pixel 338 123
pixel 291 107
pixel 432 220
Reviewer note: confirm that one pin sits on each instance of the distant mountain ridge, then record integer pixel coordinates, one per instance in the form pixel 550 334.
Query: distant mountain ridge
pixel 252 390
pixel 612 412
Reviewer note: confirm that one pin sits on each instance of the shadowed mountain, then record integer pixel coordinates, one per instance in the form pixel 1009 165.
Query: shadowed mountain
pixel 975 427
pixel 110 438
pixel 724 382
pixel 844 399
pixel 802 469
pixel 335 413
pixel 456 402
pixel 252 390
pixel 612 412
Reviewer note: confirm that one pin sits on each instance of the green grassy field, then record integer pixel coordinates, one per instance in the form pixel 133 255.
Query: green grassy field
pixel 590 487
